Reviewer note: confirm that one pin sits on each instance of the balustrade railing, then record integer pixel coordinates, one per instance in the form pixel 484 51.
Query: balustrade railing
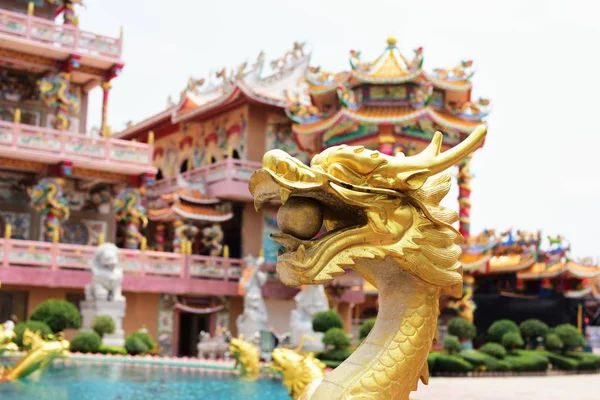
pixel 68 37
pixel 35 140
pixel 227 171
pixel 58 256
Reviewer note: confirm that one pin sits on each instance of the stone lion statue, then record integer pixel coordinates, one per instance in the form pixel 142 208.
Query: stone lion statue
pixel 107 275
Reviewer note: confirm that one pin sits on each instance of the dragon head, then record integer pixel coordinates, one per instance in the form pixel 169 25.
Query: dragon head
pixel 368 206
pixel 297 370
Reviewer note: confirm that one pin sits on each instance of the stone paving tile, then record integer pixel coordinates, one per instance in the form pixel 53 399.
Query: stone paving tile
pixel 573 387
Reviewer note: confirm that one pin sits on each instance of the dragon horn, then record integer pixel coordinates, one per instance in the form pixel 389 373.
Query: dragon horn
pixel 431 161
pixel 301 342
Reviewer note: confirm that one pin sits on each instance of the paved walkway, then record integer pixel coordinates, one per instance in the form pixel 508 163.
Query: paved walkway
pixel 569 387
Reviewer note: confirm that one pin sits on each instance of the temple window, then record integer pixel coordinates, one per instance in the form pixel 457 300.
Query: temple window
pixel 159 175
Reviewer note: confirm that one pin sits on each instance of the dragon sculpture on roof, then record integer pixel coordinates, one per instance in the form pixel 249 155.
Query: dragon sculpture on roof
pixel 383 218
pixel 47 198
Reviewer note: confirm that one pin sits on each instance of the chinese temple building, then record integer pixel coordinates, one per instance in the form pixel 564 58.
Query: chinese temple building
pixel 172 190
pixel 515 278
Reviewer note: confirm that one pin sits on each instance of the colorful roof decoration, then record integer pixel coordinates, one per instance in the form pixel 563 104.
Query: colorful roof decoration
pixel 390 67
pixel 392 90
pixel 227 86
pixel 188 202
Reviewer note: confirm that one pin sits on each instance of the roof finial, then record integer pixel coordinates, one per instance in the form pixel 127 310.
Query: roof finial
pixel 391 41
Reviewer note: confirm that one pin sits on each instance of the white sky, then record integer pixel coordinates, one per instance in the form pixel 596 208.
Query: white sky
pixel 538 61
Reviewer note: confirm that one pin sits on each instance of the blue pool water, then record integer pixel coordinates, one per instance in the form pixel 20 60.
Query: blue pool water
pixel 86 381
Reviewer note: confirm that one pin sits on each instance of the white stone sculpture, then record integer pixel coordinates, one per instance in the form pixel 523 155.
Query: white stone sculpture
pixel 212 347
pixel 309 301
pixel 254 317
pixel 107 275
pixel 103 294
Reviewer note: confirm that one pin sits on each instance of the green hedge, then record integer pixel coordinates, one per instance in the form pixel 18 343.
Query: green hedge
pixel 587 361
pixel 325 320
pixel 461 328
pixel 103 324
pixel 452 344
pixel 501 327
pixel 86 342
pixel 365 328
pixel 494 350
pixel 112 350
pixel 448 363
pixel 58 315
pixel 335 354
pixel 337 338
pixel 523 362
pixel 483 362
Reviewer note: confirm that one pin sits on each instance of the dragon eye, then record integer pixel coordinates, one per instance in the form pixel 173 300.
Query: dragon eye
pixel 300 217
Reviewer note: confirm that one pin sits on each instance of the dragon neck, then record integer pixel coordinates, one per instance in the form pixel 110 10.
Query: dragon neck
pixel 390 361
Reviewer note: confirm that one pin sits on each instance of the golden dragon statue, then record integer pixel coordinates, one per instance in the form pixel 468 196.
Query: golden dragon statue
pixel 6 339
pixel 246 357
pixel 48 198
pixel 383 218
pixel 299 371
pixel 40 355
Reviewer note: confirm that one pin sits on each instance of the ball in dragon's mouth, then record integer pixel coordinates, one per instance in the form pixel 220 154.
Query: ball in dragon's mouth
pixel 300 217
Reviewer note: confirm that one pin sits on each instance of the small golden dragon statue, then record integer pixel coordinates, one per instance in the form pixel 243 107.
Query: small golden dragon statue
pixel 41 354
pixel 383 218
pixel 299 371
pixel 246 357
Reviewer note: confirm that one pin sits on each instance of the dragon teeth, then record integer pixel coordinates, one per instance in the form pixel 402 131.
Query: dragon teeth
pixel 285 195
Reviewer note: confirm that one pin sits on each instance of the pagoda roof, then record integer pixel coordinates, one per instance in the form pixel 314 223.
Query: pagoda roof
pixel 191 196
pixel 389 68
pixel 225 87
pixel 189 211
pixel 576 270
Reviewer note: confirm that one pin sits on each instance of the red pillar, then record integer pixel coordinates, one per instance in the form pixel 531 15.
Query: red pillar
pixel 464 197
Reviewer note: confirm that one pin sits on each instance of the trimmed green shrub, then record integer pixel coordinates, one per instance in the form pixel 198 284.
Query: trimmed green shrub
pixel 461 328
pixel 431 358
pixel 570 336
pixel 86 342
pixel 337 338
pixel 532 329
pixel 452 363
pixel 135 345
pixel 112 350
pixel 587 361
pixel 494 350
pixel 365 328
pixel 103 324
pixel 325 320
pixel 552 342
pixel 33 326
pixel 452 344
pixel 58 315
pixel 523 362
pixel 561 362
pixel 512 341
pixel 335 354
pixel 145 338
pixel 501 327
pixel 483 361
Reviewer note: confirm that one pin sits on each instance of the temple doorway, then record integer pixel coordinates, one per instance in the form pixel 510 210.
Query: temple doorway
pixel 190 326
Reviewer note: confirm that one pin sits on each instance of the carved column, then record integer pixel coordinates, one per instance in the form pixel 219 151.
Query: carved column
pixel 106 86
pixel 464 196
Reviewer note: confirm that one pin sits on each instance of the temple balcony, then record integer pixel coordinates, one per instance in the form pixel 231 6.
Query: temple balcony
pixel 227 179
pixel 33 263
pixel 34 143
pixel 33 35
